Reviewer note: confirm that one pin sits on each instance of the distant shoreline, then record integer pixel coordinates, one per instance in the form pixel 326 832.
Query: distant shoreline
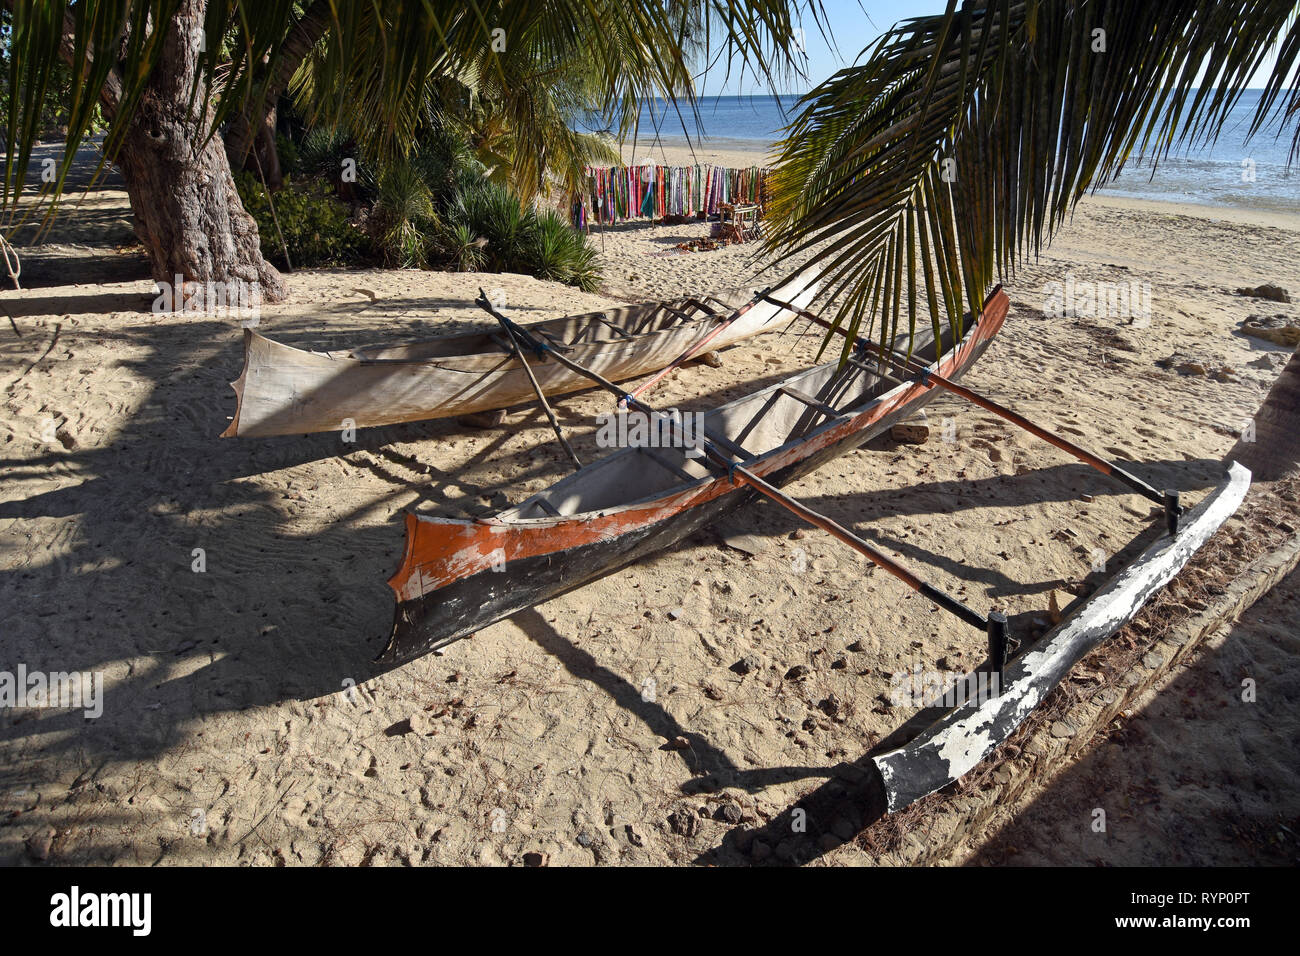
pixel 740 153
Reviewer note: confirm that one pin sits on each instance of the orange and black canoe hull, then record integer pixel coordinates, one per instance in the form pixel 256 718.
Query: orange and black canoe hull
pixel 470 603
pixel 459 576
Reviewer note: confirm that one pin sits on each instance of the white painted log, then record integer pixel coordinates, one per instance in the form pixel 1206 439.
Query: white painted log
pixel 954 744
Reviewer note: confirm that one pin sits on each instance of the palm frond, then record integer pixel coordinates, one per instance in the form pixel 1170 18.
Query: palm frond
pixel 961 141
pixel 376 60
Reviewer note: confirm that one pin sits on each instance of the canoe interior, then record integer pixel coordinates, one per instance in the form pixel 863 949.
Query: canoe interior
pixel 615 326
pixel 752 426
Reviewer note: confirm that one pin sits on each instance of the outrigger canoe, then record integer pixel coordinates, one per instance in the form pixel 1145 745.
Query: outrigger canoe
pixel 284 390
pixel 458 576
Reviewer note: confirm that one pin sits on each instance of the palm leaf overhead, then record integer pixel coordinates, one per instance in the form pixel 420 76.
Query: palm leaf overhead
pixel 962 140
pixel 378 56
pixel 513 104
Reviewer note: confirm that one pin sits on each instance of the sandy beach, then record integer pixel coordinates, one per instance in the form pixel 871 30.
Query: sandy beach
pixel 242 720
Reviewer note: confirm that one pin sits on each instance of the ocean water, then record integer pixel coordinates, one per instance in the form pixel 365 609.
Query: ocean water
pixel 1230 172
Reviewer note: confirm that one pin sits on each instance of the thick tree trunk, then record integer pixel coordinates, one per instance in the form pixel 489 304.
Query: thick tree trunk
pixel 188 214
pixel 1272 451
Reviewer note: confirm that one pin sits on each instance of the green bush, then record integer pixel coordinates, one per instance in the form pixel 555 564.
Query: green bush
pixel 314 224
pixel 437 207
pixel 447 164
pixel 516 239
pixel 402 220
pixel 323 153
pixel 458 243
pixel 560 252
pixel 494 214
pixel 287 150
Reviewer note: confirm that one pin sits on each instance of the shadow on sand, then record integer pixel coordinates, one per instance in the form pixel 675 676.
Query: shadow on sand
pixel 293 600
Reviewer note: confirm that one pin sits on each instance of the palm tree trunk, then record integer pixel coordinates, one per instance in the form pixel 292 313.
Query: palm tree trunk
pixel 187 211
pixel 268 154
pixel 1271 450
pixel 244 128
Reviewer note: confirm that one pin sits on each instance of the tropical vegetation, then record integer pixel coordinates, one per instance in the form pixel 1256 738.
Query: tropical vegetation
pixel 191 87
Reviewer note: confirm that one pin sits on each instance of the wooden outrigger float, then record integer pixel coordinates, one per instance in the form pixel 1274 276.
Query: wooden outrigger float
pixel 284 390
pixel 959 739
pixel 458 576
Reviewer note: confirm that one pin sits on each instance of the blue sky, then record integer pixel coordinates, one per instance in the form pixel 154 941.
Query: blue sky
pixel 853 26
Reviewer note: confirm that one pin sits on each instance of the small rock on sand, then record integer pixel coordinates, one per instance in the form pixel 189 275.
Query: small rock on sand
pixel 1274 293
pixel 710 358
pixel 684 824
pixel 750 544
pixel 830 706
pixel 910 433
pixel 1279 329
pixel 40 843
pixel 484 419
pixel 729 813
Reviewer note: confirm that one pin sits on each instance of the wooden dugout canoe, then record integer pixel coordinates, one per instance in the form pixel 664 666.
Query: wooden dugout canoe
pixel 284 390
pixel 458 576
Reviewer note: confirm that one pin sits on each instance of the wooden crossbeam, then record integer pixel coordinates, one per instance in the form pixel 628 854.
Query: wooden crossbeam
pixel 808 400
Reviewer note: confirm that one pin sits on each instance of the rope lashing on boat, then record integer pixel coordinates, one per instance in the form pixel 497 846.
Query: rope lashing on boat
pixel 537 345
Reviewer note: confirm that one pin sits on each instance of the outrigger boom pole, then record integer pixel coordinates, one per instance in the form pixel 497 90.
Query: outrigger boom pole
pixel 541 397
pixel 995 624
pixel 1168 499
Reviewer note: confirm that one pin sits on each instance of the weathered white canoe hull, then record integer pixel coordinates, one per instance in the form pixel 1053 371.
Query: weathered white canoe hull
pixel 287 391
